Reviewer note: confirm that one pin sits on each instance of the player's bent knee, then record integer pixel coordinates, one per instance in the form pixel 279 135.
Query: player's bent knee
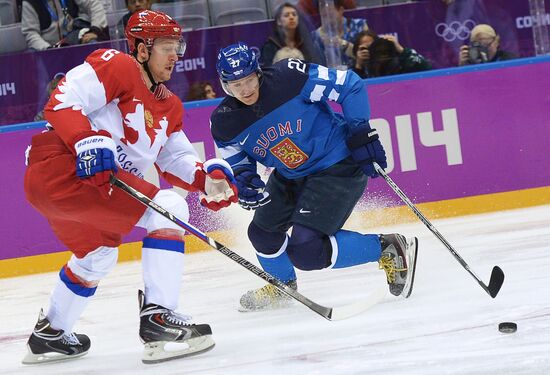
pixel 308 249
pixel 171 201
pixel 263 241
pixel 90 269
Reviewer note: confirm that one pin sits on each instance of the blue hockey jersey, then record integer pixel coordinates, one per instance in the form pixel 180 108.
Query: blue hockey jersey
pixel 291 127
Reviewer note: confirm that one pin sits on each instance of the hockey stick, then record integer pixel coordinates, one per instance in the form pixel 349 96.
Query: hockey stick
pixel 329 313
pixel 497 276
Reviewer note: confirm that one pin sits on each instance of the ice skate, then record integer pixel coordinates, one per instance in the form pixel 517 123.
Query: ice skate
pixel 266 298
pixel 398 260
pixel 168 335
pixel 48 345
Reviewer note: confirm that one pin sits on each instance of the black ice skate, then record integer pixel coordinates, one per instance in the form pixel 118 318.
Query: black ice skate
pixel 398 260
pixel 168 335
pixel 48 345
pixel 266 298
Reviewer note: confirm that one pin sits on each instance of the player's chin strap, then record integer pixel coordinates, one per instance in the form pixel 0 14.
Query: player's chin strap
pixel 157 88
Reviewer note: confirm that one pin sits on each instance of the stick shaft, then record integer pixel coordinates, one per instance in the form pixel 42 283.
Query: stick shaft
pixel 432 229
pixel 325 312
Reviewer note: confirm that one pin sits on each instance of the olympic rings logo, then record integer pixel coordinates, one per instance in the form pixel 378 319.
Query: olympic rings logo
pixel 455 30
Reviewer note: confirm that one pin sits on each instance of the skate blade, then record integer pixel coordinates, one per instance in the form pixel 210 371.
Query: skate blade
pixel 35 359
pixel 161 351
pixel 412 253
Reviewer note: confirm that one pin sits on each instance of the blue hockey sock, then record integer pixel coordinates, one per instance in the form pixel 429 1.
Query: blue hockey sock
pixel 352 248
pixel 278 264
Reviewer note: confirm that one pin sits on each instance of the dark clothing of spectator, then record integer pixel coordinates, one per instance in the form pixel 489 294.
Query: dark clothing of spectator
pixel 503 56
pixel 121 25
pixel 385 60
pixel 363 73
pixel 273 44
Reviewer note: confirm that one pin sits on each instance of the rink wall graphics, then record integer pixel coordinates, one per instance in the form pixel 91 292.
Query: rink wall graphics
pixel 459 141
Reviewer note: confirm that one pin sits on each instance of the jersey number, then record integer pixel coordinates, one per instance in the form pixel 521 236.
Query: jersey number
pixel 297 64
pixel 108 55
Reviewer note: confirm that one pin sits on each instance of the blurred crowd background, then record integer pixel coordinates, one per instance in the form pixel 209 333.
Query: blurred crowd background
pixel 40 40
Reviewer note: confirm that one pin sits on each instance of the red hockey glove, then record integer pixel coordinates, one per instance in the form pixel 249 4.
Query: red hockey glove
pixel 219 185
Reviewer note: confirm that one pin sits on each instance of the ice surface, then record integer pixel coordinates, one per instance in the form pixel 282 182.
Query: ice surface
pixel 448 326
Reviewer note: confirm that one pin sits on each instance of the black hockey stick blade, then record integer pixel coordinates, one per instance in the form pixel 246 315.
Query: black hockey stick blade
pixel 497 276
pixel 496 281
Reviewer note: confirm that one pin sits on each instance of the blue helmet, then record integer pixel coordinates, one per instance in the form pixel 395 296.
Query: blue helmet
pixel 236 61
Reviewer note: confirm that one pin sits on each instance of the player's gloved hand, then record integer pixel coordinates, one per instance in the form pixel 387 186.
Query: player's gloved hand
pixel 95 160
pixel 366 148
pixel 220 188
pixel 252 192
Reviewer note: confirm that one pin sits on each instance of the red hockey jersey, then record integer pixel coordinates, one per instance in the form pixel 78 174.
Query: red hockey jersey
pixel 108 92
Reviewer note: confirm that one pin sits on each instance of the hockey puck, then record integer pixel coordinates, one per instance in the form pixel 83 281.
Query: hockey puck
pixel 507 327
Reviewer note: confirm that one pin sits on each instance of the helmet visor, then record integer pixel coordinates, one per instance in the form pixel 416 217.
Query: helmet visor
pixel 170 46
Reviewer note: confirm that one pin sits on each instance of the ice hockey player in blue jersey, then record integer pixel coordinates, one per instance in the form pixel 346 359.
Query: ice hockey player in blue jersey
pixel 279 117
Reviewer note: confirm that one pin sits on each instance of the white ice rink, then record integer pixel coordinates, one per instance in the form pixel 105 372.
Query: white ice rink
pixel 448 326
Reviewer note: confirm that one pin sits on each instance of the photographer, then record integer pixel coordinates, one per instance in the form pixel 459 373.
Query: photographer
pixel 484 47
pixel 361 52
pixel 387 57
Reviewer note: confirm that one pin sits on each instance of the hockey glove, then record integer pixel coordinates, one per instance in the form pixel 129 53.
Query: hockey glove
pixel 220 188
pixel 95 161
pixel 365 149
pixel 252 192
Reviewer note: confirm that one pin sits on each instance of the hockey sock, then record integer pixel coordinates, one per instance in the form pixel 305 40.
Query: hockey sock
pixel 162 261
pixel 278 264
pixel 352 248
pixel 69 299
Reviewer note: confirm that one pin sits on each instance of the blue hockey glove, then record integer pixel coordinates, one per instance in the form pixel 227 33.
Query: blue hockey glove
pixel 365 149
pixel 251 188
pixel 95 161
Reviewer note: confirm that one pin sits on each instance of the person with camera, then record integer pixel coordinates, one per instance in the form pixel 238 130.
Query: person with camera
pixel 361 52
pixel 383 55
pixel 484 47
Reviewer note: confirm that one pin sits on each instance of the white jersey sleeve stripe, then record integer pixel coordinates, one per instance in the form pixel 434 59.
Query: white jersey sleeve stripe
pixel 317 93
pixel 341 76
pixel 334 95
pixel 323 72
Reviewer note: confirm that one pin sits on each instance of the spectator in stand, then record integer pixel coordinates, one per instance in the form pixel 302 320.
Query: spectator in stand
pixel 387 57
pixel 57 23
pixel 133 6
pixel 484 47
pixel 347 29
pixel 289 33
pixel 49 89
pixel 361 52
pixel 201 91
pixel 311 7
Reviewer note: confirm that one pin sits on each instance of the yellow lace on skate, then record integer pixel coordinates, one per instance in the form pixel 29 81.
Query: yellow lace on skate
pixel 269 292
pixel 387 264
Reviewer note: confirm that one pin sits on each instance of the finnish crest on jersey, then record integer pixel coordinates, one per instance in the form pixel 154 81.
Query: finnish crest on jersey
pixel 148 118
pixel 289 154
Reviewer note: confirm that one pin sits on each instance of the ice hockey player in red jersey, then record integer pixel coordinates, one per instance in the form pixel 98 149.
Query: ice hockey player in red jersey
pixel 113 114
